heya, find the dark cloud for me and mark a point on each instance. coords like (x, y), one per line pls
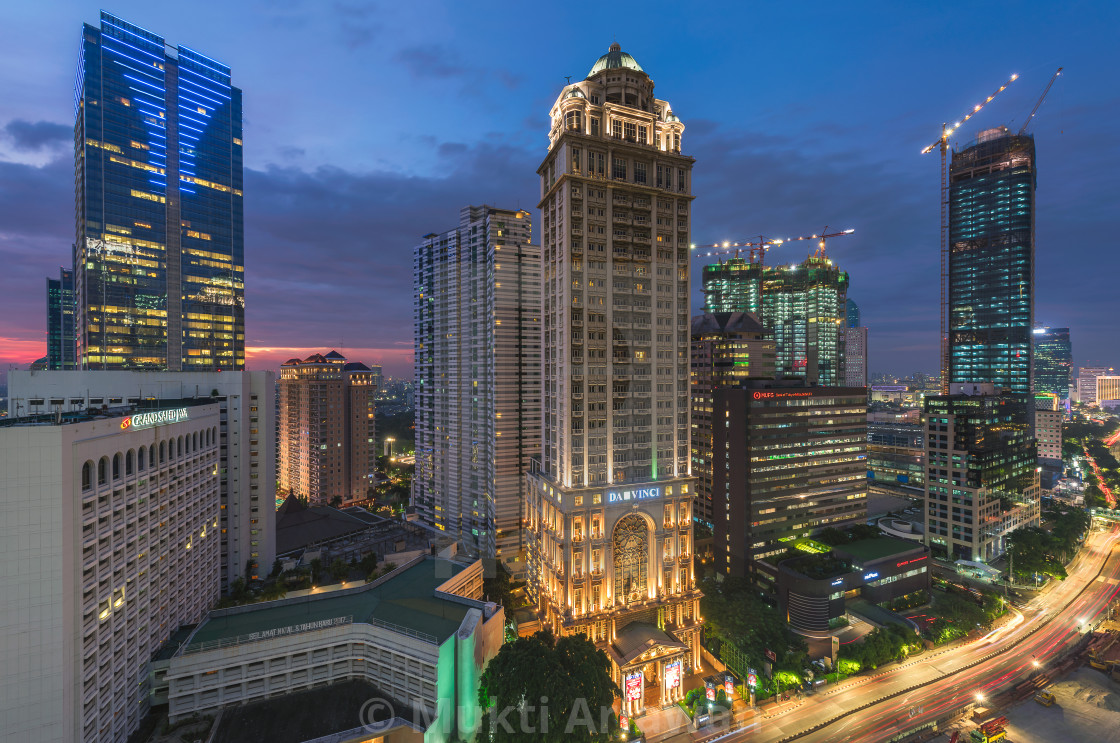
(430, 61)
(33, 136)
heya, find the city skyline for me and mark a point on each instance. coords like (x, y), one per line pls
(836, 160)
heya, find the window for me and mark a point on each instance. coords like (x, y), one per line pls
(87, 475)
(618, 168)
(616, 128)
(576, 159)
(639, 172)
(594, 126)
(643, 137)
(631, 130)
(573, 120)
(680, 180)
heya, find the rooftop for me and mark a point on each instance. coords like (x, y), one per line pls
(63, 418)
(615, 58)
(866, 550)
(407, 599)
(299, 525)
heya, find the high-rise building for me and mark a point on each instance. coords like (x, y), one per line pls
(1087, 382)
(896, 454)
(245, 456)
(982, 478)
(1053, 361)
(477, 313)
(852, 310)
(60, 320)
(110, 524)
(789, 462)
(159, 250)
(611, 499)
(855, 357)
(1108, 388)
(803, 305)
(326, 450)
(991, 261)
(726, 349)
(1048, 417)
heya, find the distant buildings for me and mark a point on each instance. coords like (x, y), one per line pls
(159, 252)
(852, 314)
(1108, 389)
(610, 502)
(803, 306)
(112, 533)
(727, 348)
(1087, 382)
(789, 461)
(60, 321)
(1053, 361)
(245, 455)
(896, 454)
(855, 357)
(982, 481)
(327, 451)
(477, 316)
(1048, 417)
(991, 261)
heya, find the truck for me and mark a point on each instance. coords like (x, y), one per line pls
(990, 731)
(1045, 698)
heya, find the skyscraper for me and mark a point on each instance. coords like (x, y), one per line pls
(1087, 382)
(855, 357)
(60, 320)
(159, 249)
(1053, 361)
(611, 500)
(852, 314)
(803, 305)
(727, 348)
(326, 419)
(991, 260)
(477, 310)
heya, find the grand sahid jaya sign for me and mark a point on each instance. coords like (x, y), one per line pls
(155, 418)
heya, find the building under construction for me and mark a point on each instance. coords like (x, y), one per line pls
(803, 306)
(991, 260)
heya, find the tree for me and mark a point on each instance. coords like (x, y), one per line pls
(336, 501)
(570, 673)
(277, 568)
(316, 571)
(339, 569)
(1032, 549)
(368, 563)
(735, 613)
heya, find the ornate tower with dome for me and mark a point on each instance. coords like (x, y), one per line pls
(609, 504)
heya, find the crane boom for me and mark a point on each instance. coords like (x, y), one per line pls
(1023, 129)
(758, 248)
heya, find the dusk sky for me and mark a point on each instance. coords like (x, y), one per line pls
(368, 125)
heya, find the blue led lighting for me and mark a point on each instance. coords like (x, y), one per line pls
(203, 87)
(209, 103)
(134, 59)
(202, 58)
(122, 42)
(193, 129)
(115, 22)
(130, 77)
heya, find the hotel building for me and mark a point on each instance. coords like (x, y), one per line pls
(611, 500)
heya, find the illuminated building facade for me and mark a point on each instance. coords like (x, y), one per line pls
(159, 249)
(727, 348)
(1048, 416)
(1087, 382)
(327, 429)
(982, 480)
(60, 321)
(852, 316)
(611, 499)
(991, 261)
(896, 455)
(855, 357)
(110, 527)
(804, 307)
(788, 461)
(477, 310)
(1053, 361)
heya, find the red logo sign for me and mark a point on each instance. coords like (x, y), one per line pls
(634, 683)
(126, 423)
(907, 562)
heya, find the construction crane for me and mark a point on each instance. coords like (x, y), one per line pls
(1023, 128)
(758, 248)
(942, 143)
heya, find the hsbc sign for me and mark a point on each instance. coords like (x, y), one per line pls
(157, 418)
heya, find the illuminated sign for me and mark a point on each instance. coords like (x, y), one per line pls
(673, 675)
(774, 395)
(838, 581)
(752, 679)
(617, 496)
(710, 690)
(908, 562)
(869, 576)
(635, 682)
(158, 418)
(729, 686)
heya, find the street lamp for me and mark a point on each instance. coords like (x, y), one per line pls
(979, 697)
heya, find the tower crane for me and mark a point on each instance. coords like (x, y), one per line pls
(942, 143)
(759, 247)
(1023, 129)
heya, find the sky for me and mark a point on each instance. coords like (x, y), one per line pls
(370, 124)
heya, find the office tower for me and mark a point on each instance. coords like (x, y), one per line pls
(982, 481)
(1053, 361)
(896, 454)
(726, 348)
(60, 320)
(246, 454)
(991, 261)
(610, 501)
(852, 314)
(326, 450)
(1048, 417)
(855, 357)
(1108, 390)
(159, 251)
(477, 306)
(790, 461)
(110, 526)
(803, 305)
(1087, 382)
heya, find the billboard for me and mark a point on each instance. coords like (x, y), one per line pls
(673, 675)
(635, 683)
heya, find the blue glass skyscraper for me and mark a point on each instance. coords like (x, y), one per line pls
(991, 261)
(60, 320)
(159, 249)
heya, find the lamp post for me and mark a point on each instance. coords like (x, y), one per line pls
(389, 447)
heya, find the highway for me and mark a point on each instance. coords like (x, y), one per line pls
(950, 679)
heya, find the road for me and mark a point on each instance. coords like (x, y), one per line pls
(950, 679)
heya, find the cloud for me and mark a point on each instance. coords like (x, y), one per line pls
(34, 136)
(430, 61)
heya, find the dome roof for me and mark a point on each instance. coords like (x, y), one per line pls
(614, 59)
(574, 93)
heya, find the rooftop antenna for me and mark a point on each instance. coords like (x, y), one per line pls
(568, 79)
